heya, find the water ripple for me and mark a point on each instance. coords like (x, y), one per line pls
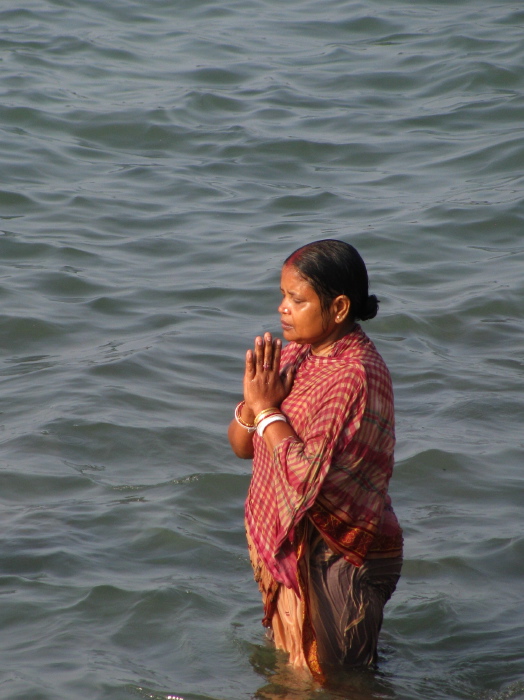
(159, 162)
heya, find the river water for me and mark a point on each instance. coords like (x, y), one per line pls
(158, 161)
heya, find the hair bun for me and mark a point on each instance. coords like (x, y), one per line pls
(370, 308)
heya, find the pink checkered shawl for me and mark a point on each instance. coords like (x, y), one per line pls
(341, 408)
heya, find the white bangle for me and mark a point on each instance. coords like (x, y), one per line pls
(267, 421)
(250, 427)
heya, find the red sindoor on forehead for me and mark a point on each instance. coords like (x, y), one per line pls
(294, 257)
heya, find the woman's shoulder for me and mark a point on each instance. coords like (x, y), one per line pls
(371, 366)
(361, 357)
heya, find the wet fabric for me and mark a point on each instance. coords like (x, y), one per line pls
(337, 469)
(335, 624)
(323, 539)
(346, 606)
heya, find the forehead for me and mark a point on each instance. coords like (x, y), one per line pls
(291, 280)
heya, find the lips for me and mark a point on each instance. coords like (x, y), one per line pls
(285, 326)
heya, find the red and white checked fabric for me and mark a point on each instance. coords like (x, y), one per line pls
(338, 468)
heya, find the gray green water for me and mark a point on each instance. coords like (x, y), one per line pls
(158, 160)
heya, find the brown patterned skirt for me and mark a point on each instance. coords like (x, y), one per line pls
(336, 622)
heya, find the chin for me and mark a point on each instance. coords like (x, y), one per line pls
(292, 338)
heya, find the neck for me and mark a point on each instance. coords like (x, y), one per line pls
(325, 347)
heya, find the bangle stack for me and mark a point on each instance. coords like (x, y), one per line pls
(262, 419)
(266, 417)
(250, 427)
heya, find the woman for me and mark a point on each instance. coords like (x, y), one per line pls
(317, 419)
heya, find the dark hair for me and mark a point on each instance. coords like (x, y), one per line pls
(333, 268)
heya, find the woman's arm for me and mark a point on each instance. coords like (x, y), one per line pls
(240, 439)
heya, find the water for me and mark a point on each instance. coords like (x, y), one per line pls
(159, 160)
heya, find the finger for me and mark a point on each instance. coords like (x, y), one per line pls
(277, 349)
(268, 352)
(259, 353)
(250, 365)
(288, 378)
(285, 370)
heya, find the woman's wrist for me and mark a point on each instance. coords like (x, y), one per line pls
(244, 417)
(262, 406)
(266, 418)
(247, 413)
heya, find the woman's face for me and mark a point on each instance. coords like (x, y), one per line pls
(301, 313)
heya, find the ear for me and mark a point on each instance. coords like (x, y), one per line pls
(340, 308)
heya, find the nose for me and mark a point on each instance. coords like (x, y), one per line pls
(281, 308)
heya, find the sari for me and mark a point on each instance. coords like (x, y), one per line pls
(328, 482)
